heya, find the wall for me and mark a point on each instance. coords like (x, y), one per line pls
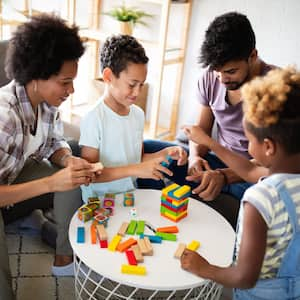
(275, 22)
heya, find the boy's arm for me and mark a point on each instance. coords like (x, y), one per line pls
(148, 169)
(245, 272)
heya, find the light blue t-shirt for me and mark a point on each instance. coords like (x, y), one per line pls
(119, 140)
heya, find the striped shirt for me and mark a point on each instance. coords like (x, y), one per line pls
(17, 118)
(265, 199)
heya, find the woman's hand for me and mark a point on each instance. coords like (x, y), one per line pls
(177, 153)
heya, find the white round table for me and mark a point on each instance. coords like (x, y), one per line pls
(98, 270)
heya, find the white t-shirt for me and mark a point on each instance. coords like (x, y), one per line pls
(119, 140)
(33, 143)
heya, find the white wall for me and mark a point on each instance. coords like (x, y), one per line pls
(277, 27)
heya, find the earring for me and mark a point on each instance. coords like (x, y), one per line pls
(35, 86)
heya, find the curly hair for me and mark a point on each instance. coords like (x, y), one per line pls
(229, 37)
(39, 48)
(120, 50)
(272, 107)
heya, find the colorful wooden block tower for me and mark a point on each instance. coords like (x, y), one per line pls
(174, 202)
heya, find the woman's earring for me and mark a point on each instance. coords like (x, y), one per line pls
(35, 86)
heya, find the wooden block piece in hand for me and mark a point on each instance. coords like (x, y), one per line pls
(193, 245)
(97, 167)
(179, 250)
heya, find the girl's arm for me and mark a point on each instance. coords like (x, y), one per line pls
(245, 272)
(151, 168)
(246, 169)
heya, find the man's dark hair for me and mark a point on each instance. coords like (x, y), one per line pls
(120, 50)
(39, 48)
(229, 37)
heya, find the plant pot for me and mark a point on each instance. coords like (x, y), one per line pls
(126, 28)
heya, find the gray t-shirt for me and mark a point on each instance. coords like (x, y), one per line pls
(211, 92)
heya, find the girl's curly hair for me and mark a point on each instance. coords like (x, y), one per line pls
(272, 107)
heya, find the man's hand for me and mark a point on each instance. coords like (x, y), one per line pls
(197, 165)
(211, 183)
(177, 153)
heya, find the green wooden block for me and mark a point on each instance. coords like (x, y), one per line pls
(140, 227)
(131, 227)
(167, 236)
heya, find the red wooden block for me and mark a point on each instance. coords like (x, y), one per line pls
(103, 244)
(131, 257)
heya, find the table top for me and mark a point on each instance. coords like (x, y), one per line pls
(164, 272)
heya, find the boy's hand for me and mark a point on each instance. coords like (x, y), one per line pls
(152, 169)
(177, 153)
(197, 135)
(193, 262)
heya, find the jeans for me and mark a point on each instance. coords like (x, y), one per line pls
(180, 172)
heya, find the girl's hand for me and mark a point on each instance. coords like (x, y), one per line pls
(193, 262)
(197, 135)
(177, 153)
(197, 165)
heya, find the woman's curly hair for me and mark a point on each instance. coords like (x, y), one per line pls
(120, 50)
(39, 48)
(272, 107)
(229, 37)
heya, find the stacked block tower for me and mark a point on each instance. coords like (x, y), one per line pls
(174, 201)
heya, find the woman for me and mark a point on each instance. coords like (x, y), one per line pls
(42, 60)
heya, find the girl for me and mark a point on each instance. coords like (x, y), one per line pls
(267, 254)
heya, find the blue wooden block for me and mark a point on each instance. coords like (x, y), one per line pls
(80, 235)
(166, 164)
(152, 238)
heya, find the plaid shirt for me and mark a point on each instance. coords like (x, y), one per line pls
(16, 120)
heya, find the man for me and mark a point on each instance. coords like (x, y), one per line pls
(230, 57)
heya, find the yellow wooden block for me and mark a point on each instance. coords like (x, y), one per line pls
(169, 188)
(114, 243)
(131, 269)
(182, 191)
(193, 245)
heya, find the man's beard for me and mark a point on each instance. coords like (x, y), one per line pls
(234, 85)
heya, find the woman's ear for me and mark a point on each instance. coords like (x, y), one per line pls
(107, 75)
(269, 146)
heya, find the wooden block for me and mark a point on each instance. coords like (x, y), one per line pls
(114, 243)
(135, 270)
(167, 236)
(148, 245)
(153, 238)
(101, 232)
(126, 244)
(142, 245)
(169, 188)
(131, 227)
(103, 244)
(179, 250)
(80, 235)
(137, 253)
(193, 245)
(140, 227)
(123, 228)
(130, 257)
(168, 229)
(93, 231)
(182, 192)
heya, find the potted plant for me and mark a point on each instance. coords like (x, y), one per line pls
(128, 17)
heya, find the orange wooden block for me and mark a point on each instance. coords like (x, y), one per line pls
(168, 229)
(93, 234)
(126, 244)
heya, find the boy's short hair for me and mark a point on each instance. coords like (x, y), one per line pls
(120, 50)
(272, 108)
(38, 48)
(229, 37)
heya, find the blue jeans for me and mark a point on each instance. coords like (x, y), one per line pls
(180, 172)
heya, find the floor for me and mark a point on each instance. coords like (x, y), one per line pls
(31, 259)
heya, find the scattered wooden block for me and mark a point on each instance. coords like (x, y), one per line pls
(179, 250)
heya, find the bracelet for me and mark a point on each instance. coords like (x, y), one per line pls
(221, 171)
(63, 158)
